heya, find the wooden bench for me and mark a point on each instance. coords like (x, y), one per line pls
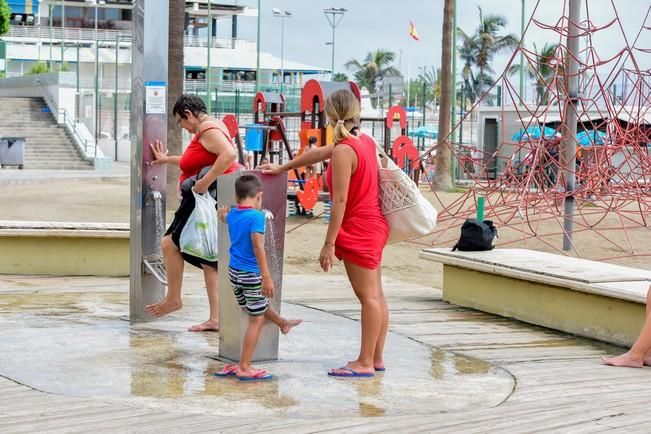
(64, 249)
(587, 298)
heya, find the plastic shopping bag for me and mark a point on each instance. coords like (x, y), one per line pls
(199, 235)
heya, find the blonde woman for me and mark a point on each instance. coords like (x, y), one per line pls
(357, 232)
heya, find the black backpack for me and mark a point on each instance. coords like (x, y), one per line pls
(476, 236)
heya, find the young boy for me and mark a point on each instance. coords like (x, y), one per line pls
(249, 273)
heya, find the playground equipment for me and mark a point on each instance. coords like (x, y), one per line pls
(268, 138)
(558, 188)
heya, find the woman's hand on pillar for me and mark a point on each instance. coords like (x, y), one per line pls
(271, 169)
(159, 151)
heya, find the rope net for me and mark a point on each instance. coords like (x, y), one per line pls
(522, 177)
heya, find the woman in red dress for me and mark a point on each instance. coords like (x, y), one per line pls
(357, 232)
(211, 146)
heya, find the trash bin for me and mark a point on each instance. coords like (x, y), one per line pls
(12, 151)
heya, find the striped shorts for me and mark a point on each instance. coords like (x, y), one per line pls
(247, 287)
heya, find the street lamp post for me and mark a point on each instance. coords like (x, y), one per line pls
(282, 15)
(49, 62)
(334, 16)
(208, 74)
(96, 3)
(63, 32)
(257, 52)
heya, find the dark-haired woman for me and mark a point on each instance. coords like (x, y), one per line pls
(210, 146)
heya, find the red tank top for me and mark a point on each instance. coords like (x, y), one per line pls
(196, 157)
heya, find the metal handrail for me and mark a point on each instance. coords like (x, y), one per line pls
(68, 121)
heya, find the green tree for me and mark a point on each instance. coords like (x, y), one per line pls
(542, 70)
(490, 42)
(477, 50)
(432, 79)
(468, 51)
(375, 66)
(38, 68)
(340, 76)
(5, 17)
(442, 178)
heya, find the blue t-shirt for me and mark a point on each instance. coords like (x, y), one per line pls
(242, 222)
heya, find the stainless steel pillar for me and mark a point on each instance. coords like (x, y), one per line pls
(148, 123)
(232, 321)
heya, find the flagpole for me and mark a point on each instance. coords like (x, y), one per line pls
(408, 70)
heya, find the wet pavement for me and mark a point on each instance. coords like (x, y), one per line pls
(72, 341)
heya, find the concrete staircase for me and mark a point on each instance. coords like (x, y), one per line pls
(48, 144)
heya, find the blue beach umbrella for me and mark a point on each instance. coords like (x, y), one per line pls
(534, 133)
(590, 138)
(425, 131)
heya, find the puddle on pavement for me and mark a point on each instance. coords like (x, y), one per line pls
(74, 343)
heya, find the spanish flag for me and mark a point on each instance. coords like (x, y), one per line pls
(412, 31)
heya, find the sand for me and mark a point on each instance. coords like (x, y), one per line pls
(107, 200)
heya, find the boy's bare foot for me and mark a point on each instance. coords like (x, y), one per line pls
(626, 360)
(164, 307)
(289, 324)
(206, 326)
(253, 374)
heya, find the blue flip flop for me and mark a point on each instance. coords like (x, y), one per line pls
(259, 375)
(349, 373)
(227, 371)
(380, 369)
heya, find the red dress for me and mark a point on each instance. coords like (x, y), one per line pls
(364, 230)
(196, 157)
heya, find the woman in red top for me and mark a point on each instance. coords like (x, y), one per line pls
(211, 146)
(357, 232)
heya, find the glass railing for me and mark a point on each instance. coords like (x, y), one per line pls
(79, 34)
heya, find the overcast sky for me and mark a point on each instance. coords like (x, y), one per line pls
(372, 24)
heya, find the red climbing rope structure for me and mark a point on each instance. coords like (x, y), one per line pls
(522, 180)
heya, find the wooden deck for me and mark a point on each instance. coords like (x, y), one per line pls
(560, 384)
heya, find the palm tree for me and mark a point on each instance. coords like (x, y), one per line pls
(542, 71)
(175, 75)
(340, 76)
(468, 50)
(442, 178)
(376, 65)
(489, 43)
(432, 79)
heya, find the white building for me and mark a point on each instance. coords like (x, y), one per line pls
(63, 34)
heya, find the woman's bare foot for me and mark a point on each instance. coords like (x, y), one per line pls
(289, 324)
(164, 307)
(647, 359)
(353, 366)
(212, 325)
(378, 364)
(626, 360)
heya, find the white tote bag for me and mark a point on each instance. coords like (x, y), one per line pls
(406, 210)
(199, 235)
